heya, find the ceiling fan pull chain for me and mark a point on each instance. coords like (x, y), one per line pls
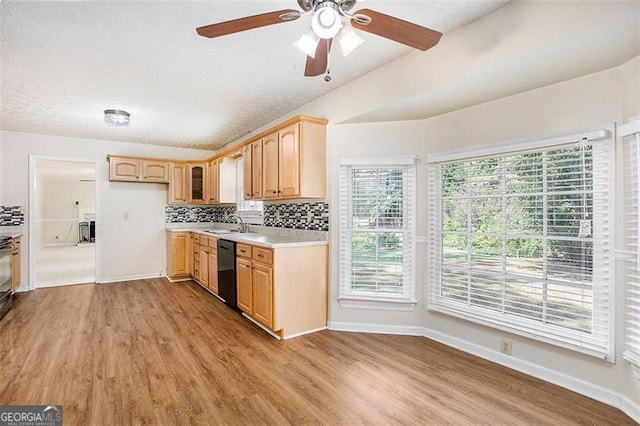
(327, 77)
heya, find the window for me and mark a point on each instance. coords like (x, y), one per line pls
(250, 210)
(631, 151)
(377, 229)
(522, 241)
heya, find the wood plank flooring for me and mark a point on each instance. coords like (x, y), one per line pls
(153, 352)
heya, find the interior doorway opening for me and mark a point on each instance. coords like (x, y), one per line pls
(64, 210)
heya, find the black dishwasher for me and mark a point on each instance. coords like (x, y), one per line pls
(227, 272)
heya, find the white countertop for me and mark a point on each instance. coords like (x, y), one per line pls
(260, 240)
(11, 231)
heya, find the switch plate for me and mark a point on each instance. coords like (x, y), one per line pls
(125, 215)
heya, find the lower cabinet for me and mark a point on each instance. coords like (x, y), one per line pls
(16, 263)
(178, 255)
(284, 289)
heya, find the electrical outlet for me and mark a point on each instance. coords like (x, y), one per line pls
(125, 215)
(309, 216)
(506, 346)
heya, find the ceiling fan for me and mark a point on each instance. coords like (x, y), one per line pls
(330, 19)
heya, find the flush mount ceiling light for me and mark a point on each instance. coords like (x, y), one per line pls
(116, 117)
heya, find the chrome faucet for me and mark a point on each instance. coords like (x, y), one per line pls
(243, 226)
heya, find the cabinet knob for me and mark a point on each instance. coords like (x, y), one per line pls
(279, 192)
(273, 192)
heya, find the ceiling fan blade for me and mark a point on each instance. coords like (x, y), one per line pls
(396, 29)
(318, 65)
(248, 23)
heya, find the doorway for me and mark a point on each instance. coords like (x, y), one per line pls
(63, 224)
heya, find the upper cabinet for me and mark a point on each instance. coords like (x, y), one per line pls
(177, 192)
(286, 162)
(196, 183)
(293, 162)
(131, 169)
(213, 182)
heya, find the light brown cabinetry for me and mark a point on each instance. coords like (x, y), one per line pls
(177, 191)
(213, 182)
(178, 255)
(213, 265)
(284, 289)
(196, 183)
(131, 169)
(244, 285)
(255, 283)
(293, 162)
(16, 263)
(253, 181)
(247, 172)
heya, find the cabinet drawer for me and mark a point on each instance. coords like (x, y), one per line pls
(263, 255)
(243, 250)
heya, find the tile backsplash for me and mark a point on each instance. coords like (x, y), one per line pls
(306, 215)
(11, 216)
(194, 214)
(312, 215)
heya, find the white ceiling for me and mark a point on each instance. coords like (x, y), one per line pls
(63, 63)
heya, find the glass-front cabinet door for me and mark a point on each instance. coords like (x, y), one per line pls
(196, 183)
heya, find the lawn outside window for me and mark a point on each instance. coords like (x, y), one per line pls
(520, 239)
(377, 232)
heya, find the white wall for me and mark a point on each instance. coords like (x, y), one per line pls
(127, 249)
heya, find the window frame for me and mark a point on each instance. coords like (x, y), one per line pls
(630, 136)
(604, 346)
(371, 300)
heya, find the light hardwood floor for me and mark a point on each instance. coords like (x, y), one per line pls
(152, 352)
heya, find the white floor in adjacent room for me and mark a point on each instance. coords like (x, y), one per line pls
(65, 265)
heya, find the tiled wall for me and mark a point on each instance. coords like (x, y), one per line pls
(286, 215)
(194, 214)
(11, 216)
(312, 216)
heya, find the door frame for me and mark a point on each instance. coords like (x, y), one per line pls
(33, 159)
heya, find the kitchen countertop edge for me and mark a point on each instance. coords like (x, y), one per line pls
(268, 241)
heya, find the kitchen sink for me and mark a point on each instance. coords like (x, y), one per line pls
(226, 231)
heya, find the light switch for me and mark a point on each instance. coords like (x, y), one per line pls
(125, 215)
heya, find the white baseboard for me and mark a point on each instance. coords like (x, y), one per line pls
(609, 397)
(128, 278)
(376, 328)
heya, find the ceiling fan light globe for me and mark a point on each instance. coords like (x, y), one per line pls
(308, 43)
(326, 23)
(348, 40)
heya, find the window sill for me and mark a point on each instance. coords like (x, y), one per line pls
(376, 303)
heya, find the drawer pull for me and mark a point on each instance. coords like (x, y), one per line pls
(261, 256)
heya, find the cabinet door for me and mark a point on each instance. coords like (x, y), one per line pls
(124, 169)
(155, 171)
(289, 162)
(177, 191)
(244, 286)
(204, 265)
(196, 260)
(180, 254)
(195, 183)
(16, 264)
(247, 172)
(257, 170)
(213, 179)
(263, 294)
(213, 270)
(270, 166)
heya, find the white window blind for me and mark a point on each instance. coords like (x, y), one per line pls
(522, 241)
(377, 228)
(631, 152)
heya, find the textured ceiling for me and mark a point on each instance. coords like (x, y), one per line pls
(63, 63)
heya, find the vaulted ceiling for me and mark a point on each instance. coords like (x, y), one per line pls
(63, 63)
